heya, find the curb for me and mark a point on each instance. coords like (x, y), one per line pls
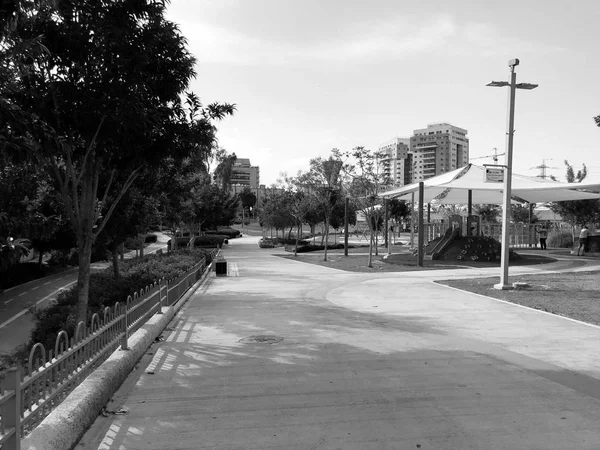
(64, 426)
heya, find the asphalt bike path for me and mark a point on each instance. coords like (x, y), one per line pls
(16, 323)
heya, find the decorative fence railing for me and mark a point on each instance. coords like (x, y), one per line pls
(521, 235)
(27, 395)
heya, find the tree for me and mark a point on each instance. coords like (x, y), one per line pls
(247, 199)
(276, 211)
(577, 212)
(11, 251)
(520, 213)
(597, 120)
(224, 168)
(366, 182)
(398, 210)
(323, 181)
(488, 213)
(102, 98)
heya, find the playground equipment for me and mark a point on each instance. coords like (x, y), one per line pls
(472, 247)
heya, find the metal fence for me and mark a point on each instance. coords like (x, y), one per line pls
(521, 235)
(27, 395)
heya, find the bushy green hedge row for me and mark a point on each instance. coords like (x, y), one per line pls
(560, 239)
(70, 257)
(105, 291)
(231, 233)
(216, 240)
(313, 248)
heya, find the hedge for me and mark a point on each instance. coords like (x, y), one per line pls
(312, 248)
(105, 291)
(214, 241)
(560, 239)
(226, 231)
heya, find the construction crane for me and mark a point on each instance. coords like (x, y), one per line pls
(494, 156)
(542, 167)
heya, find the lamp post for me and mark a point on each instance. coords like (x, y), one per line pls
(506, 207)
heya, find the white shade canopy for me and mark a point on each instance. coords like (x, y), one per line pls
(453, 187)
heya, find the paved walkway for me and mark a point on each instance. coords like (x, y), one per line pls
(367, 361)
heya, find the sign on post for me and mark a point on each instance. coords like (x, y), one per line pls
(494, 175)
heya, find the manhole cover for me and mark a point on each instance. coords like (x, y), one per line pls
(262, 339)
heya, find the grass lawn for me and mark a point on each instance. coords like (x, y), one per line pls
(574, 295)
(401, 261)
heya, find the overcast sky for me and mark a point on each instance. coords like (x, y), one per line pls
(310, 75)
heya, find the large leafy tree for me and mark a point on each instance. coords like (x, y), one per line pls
(99, 100)
(577, 212)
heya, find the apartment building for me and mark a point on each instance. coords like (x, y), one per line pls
(439, 148)
(397, 161)
(245, 174)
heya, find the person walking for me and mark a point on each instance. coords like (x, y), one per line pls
(583, 238)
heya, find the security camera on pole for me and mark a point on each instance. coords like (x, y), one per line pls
(506, 207)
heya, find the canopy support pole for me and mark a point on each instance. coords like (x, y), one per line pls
(470, 203)
(412, 221)
(421, 226)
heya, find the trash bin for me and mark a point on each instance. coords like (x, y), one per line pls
(221, 267)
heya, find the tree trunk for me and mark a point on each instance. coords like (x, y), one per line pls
(122, 251)
(297, 239)
(370, 261)
(326, 236)
(141, 241)
(41, 256)
(115, 261)
(83, 277)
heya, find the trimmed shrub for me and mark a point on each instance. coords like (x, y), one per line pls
(105, 291)
(560, 239)
(229, 232)
(313, 248)
(132, 244)
(212, 241)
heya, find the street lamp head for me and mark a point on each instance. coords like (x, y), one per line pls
(513, 62)
(498, 83)
(528, 86)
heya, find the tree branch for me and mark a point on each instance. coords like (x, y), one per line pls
(90, 147)
(70, 173)
(122, 191)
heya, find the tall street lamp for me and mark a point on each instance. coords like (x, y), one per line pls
(506, 207)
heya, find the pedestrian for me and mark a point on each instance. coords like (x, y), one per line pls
(583, 238)
(543, 236)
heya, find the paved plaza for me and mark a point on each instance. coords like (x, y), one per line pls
(286, 355)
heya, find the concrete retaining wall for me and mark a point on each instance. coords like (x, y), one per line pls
(63, 427)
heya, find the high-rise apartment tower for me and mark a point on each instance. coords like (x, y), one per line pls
(437, 149)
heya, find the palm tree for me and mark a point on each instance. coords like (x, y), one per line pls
(11, 251)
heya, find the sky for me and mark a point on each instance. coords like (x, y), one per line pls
(311, 75)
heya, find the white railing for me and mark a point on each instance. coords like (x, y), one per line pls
(27, 395)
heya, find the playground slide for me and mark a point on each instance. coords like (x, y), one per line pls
(441, 245)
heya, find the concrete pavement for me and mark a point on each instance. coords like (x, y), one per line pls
(367, 361)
